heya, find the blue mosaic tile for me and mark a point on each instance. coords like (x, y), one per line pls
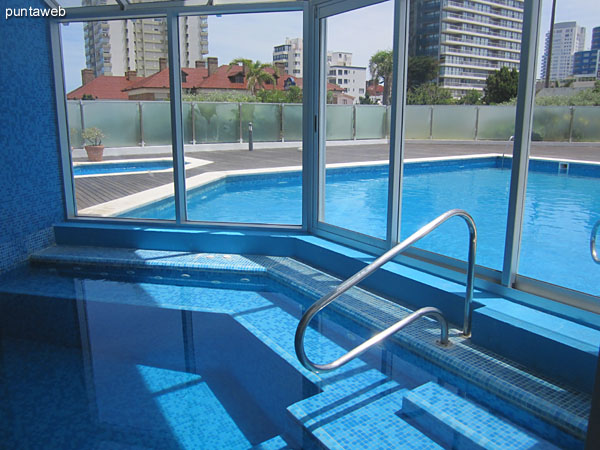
(30, 181)
(454, 418)
(509, 382)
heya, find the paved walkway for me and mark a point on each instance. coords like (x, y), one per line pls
(91, 191)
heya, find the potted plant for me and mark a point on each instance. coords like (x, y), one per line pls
(93, 136)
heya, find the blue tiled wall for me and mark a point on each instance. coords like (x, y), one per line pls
(31, 197)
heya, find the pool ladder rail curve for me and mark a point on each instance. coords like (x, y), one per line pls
(593, 248)
(368, 270)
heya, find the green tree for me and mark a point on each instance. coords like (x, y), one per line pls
(429, 94)
(366, 100)
(256, 73)
(381, 66)
(472, 97)
(501, 86)
(421, 69)
(292, 95)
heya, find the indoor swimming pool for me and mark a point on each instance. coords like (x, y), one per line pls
(556, 230)
(153, 349)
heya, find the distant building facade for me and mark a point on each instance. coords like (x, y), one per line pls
(568, 38)
(116, 46)
(469, 38)
(291, 54)
(340, 71)
(587, 63)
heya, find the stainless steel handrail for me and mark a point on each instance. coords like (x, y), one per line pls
(593, 242)
(368, 270)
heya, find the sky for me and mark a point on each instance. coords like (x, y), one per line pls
(362, 32)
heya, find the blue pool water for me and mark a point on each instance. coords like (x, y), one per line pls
(114, 361)
(560, 210)
(121, 167)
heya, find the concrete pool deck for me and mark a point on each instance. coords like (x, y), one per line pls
(96, 190)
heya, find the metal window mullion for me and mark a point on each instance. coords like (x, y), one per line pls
(176, 118)
(523, 127)
(321, 125)
(309, 135)
(398, 110)
(62, 120)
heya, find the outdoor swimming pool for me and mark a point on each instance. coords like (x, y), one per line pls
(177, 358)
(127, 166)
(556, 230)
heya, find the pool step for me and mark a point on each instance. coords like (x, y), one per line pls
(361, 418)
(457, 423)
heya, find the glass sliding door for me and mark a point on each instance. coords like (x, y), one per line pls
(356, 86)
(118, 117)
(242, 117)
(458, 152)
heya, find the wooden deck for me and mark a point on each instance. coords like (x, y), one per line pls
(92, 191)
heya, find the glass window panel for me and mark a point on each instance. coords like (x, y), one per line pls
(230, 178)
(120, 120)
(106, 82)
(461, 158)
(156, 121)
(496, 122)
(454, 122)
(354, 195)
(265, 119)
(371, 122)
(585, 124)
(551, 123)
(562, 201)
(339, 122)
(418, 122)
(216, 122)
(292, 122)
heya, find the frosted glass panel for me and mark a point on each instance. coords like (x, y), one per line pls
(454, 122)
(266, 121)
(586, 124)
(339, 122)
(188, 135)
(156, 118)
(417, 124)
(551, 123)
(216, 122)
(292, 122)
(370, 122)
(496, 122)
(74, 121)
(119, 121)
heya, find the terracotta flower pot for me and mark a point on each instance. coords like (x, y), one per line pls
(94, 152)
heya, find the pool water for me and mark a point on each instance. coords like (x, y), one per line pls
(111, 360)
(559, 210)
(121, 167)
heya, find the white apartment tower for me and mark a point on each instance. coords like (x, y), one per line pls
(567, 39)
(291, 55)
(116, 46)
(340, 71)
(469, 38)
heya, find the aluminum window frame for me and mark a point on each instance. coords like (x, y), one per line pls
(506, 282)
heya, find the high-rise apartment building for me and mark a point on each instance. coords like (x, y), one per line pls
(290, 54)
(116, 46)
(587, 63)
(340, 71)
(568, 38)
(469, 38)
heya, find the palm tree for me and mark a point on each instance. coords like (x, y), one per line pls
(381, 65)
(256, 73)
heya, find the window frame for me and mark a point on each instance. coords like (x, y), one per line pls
(505, 282)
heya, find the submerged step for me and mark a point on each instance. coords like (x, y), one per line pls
(458, 423)
(360, 418)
